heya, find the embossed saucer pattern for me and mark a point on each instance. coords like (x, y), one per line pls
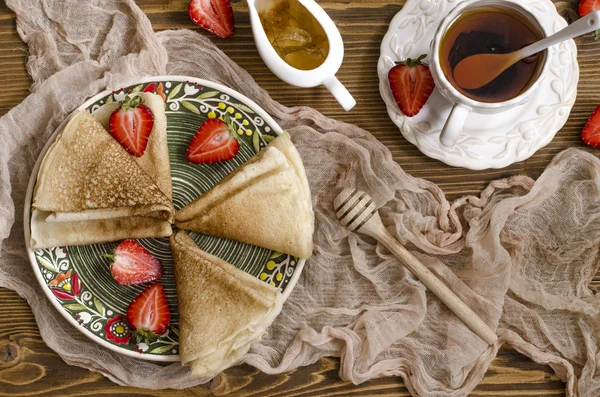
(487, 141)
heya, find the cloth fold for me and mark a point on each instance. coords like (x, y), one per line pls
(521, 254)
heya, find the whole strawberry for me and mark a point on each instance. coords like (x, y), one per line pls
(215, 141)
(133, 264)
(148, 314)
(131, 125)
(411, 84)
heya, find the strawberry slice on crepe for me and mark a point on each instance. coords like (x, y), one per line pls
(128, 122)
(90, 190)
(131, 125)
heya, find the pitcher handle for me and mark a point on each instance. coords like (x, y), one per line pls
(340, 93)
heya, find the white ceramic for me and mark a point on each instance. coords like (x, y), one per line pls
(463, 105)
(324, 74)
(487, 140)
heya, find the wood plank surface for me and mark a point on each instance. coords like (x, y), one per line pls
(29, 367)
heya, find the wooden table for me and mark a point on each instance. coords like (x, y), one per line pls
(39, 371)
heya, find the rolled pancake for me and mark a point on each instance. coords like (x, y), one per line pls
(52, 234)
(222, 309)
(265, 202)
(155, 160)
(88, 186)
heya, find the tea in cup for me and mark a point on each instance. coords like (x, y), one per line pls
(486, 26)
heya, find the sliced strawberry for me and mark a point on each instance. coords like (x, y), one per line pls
(214, 142)
(587, 6)
(591, 130)
(148, 314)
(412, 84)
(133, 264)
(216, 16)
(150, 87)
(131, 125)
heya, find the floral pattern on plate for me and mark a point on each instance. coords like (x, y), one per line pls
(78, 279)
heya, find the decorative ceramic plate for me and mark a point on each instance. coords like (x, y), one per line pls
(487, 141)
(77, 280)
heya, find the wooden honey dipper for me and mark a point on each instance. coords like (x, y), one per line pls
(357, 212)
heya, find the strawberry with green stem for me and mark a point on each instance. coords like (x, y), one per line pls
(133, 264)
(411, 84)
(215, 141)
(148, 314)
(131, 124)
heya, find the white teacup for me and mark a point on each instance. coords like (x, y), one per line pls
(463, 105)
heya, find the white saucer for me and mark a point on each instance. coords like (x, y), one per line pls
(487, 141)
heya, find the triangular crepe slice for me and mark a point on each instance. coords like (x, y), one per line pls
(269, 161)
(222, 309)
(284, 143)
(155, 160)
(88, 190)
(264, 202)
(286, 146)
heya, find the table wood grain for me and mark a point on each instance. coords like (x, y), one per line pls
(29, 367)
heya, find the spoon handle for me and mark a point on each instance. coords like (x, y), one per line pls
(439, 289)
(584, 25)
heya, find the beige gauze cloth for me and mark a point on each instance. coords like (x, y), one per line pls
(521, 255)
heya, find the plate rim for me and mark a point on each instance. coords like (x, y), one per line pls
(33, 179)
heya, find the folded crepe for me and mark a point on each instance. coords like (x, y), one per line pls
(155, 160)
(90, 190)
(222, 309)
(265, 202)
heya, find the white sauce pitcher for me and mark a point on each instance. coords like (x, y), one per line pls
(323, 74)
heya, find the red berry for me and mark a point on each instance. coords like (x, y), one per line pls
(133, 264)
(216, 16)
(150, 87)
(214, 142)
(148, 314)
(591, 130)
(411, 84)
(131, 125)
(587, 6)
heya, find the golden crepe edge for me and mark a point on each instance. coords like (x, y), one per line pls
(85, 221)
(287, 227)
(222, 309)
(155, 160)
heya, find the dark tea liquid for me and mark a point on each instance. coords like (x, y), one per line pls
(492, 29)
